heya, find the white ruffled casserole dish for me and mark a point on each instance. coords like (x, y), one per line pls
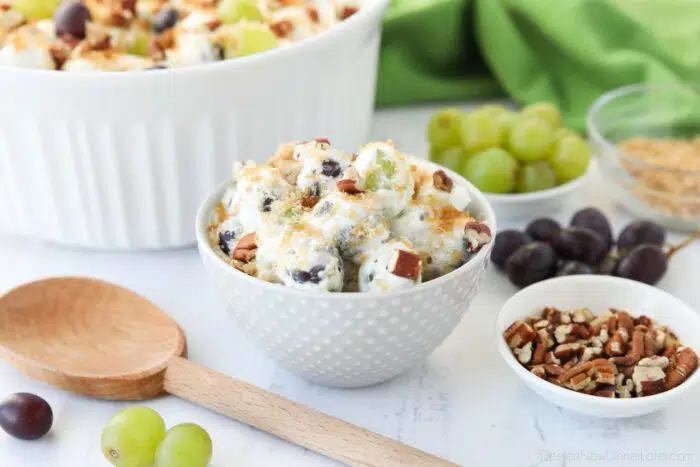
(121, 161)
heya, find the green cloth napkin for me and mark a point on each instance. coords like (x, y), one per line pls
(565, 51)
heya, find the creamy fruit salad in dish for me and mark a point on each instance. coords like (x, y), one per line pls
(128, 35)
(315, 217)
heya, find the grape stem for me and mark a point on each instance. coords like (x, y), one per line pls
(676, 248)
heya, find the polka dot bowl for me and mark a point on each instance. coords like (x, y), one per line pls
(345, 339)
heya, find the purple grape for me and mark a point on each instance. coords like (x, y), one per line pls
(543, 229)
(571, 268)
(505, 243)
(643, 263)
(641, 232)
(25, 416)
(593, 219)
(580, 244)
(531, 263)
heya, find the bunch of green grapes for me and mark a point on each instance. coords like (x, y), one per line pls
(502, 151)
(136, 437)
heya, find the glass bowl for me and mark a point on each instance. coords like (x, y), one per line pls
(647, 141)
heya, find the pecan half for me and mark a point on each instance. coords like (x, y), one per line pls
(246, 248)
(686, 363)
(442, 181)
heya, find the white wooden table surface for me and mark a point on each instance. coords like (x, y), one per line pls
(463, 403)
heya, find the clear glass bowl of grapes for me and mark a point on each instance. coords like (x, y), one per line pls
(647, 141)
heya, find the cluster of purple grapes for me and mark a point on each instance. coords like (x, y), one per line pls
(546, 249)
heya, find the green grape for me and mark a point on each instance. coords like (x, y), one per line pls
(35, 10)
(492, 170)
(185, 445)
(372, 181)
(493, 110)
(505, 121)
(570, 158)
(537, 176)
(452, 158)
(140, 44)
(131, 438)
(251, 38)
(443, 129)
(387, 166)
(479, 131)
(562, 132)
(232, 11)
(544, 110)
(530, 139)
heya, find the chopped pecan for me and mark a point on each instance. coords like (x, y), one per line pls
(617, 344)
(652, 387)
(553, 370)
(648, 378)
(524, 353)
(605, 391)
(544, 343)
(552, 315)
(518, 334)
(643, 320)
(577, 382)
(635, 352)
(568, 351)
(589, 353)
(582, 316)
(549, 357)
(282, 28)
(649, 343)
(670, 352)
(348, 186)
(686, 363)
(406, 264)
(476, 235)
(624, 320)
(538, 371)
(312, 11)
(246, 248)
(561, 333)
(442, 181)
(347, 11)
(309, 201)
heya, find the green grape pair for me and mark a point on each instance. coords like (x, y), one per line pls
(136, 437)
(501, 151)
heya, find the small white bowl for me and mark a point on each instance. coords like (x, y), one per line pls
(599, 293)
(545, 203)
(345, 339)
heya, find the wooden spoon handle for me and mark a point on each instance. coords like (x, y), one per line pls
(288, 420)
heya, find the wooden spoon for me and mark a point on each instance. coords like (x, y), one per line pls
(100, 340)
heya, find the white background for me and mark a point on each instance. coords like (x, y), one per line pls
(463, 403)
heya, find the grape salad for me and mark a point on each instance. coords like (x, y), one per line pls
(316, 218)
(131, 35)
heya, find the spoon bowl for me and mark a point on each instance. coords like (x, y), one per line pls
(104, 341)
(89, 337)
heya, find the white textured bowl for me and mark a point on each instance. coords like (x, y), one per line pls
(345, 339)
(599, 293)
(122, 160)
(545, 203)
